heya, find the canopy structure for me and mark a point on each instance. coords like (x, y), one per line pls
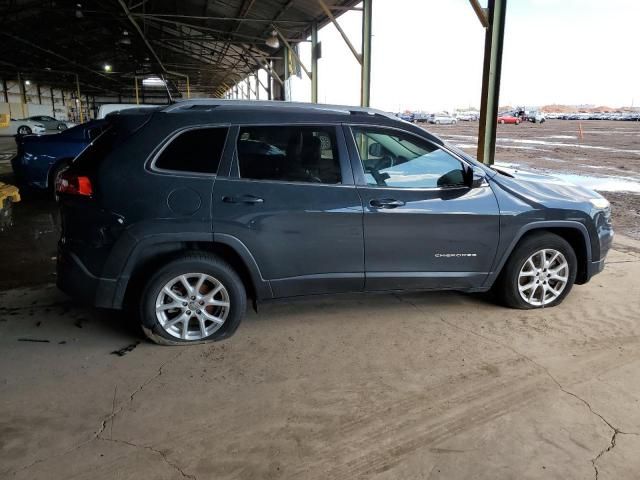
(201, 45)
(164, 49)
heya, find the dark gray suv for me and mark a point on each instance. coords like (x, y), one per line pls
(185, 212)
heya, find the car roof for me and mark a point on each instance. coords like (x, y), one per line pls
(263, 112)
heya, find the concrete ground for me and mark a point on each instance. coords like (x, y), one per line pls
(411, 386)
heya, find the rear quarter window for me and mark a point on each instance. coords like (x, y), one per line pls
(197, 151)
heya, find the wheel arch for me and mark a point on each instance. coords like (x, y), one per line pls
(149, 256)
(574, 233)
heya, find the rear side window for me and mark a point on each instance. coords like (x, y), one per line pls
(289, 153)
(197, 151)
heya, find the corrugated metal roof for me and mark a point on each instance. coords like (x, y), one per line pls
(213, 41)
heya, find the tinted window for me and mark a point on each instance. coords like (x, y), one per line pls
(194, 151)
(395, 159)
(293, 153)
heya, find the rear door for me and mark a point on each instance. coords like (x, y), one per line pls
(423, 226)
(291, 200)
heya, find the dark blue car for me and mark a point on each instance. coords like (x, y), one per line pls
(41, 157)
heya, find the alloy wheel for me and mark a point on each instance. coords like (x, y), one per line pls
(543, 277)
(192, 306)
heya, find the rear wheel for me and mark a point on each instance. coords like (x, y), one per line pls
(502, 122)
(539, 273)
(194, 299)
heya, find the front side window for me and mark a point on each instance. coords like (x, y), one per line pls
(197, 151)
(394, 159)
(289, 153)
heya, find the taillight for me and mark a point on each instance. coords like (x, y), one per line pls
(74, 184)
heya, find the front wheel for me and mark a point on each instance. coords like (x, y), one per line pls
(62, 126)
(193, 299)
(24, 130)
(539, 273)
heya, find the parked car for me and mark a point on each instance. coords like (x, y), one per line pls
(536, 116)
(186, 212)
(406, 116)
(506, 118)
(22, 127)
(467, 116)
(443, 118)
(422, 116)
(40, 158)
(51, 123)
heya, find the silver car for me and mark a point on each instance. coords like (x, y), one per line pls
(443, 118)
(51, 123)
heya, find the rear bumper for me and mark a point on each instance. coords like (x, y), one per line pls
(75, 280)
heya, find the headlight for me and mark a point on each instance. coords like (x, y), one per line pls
(600, 203)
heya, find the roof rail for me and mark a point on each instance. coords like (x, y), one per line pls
(218, 102)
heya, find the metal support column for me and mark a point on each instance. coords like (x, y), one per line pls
(494, 40)
(5, 91)
(39, 94)
(248, 82)
(365, 79)
(135, 83)
(53, 102)
(23, 95)
(79, 98)
(314, 62)
(269, 82)
(285, 77)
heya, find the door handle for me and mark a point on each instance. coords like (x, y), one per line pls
(386, 203)
(248, 199)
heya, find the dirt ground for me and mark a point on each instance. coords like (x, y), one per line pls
(413, 386)
(608, 155)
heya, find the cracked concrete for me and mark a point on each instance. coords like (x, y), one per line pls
(425, 385)
(616, 431)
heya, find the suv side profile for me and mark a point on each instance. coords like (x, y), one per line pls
(187, 211)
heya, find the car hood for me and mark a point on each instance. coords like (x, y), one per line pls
(540, 188)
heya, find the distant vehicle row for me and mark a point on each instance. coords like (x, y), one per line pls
(35, 124)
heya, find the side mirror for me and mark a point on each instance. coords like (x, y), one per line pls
(375, 150)
(474, 177)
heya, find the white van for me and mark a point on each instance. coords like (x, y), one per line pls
(108, 108)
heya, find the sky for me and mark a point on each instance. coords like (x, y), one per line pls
(427, 55)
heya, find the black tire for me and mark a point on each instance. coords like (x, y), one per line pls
(506, 287)
(24, 130)
(193, 263)
(62, 126)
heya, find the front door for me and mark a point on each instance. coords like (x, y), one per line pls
(423, 226)
(290, 199)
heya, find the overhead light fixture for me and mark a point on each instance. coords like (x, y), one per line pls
(153, 82)
(79, 13)
(107, 68)
(272, 41)
(27, 82)
(125, 40)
